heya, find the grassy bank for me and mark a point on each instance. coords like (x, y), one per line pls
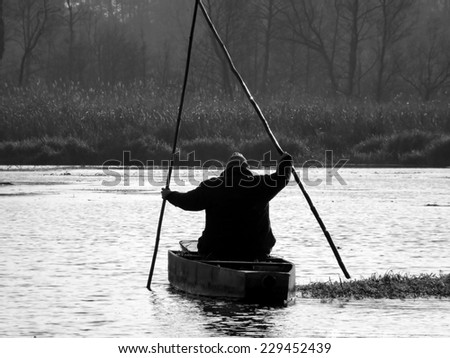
(69, 125)
(385, 286)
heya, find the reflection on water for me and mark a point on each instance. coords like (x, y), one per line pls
(228, 318)
(76, 254)
(234, 319)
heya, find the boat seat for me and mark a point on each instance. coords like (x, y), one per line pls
(189, 246)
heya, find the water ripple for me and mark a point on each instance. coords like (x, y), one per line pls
(75, 257)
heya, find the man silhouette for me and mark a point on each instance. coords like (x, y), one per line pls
(237, 209)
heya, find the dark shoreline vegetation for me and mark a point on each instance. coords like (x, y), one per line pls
(390, 285)
(67, 125)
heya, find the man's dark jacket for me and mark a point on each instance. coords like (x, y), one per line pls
(237, 210)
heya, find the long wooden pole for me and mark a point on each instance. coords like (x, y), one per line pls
(174, 147)
(272, 137)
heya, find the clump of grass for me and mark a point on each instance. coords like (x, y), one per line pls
(59, 151)
(407, 147)
(408, 141)
(438, 151)
(392, 286)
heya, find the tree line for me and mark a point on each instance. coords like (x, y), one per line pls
(377, 49)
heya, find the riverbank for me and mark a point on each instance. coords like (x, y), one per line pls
(419, 149)
(73, 126)
(392, 286)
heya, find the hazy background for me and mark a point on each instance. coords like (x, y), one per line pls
(367, 79)
(377, 48)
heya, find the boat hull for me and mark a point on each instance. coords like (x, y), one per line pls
(271, 281)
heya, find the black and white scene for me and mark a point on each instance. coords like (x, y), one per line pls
(264, 169)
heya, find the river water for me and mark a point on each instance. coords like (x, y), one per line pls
(76, 246)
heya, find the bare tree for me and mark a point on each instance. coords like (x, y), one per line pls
(139, 16)
(349, 47)
(224, 16)
(315, 26)
(267, 14)
(430, 70)
(393, 25)
(32, 17)
(353, 9)
(75, 12)
(355, 17)
(142, 15)
(2, 31)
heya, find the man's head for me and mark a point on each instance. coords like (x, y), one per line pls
(237, 160)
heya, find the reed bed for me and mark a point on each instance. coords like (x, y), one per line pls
(38, 122)
(390, 285)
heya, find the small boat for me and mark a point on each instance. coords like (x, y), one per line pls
(268, 281)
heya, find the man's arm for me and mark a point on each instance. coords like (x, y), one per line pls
(275, 182)
(284, 168)
(194, 200)
(280, 178)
